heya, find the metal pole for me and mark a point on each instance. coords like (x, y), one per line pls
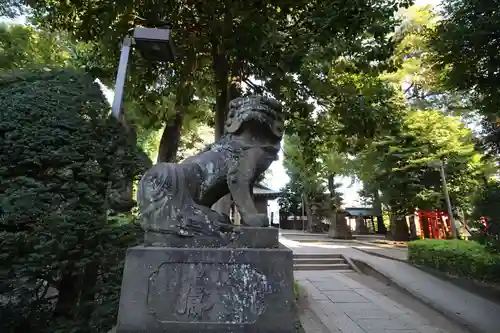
(302, 217)
(120, 77)
(279, 223)
(448, 202)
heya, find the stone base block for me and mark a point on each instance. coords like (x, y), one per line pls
(241, 237)
(204, 290)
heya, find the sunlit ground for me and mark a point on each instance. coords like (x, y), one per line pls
(290, 243)
(326, 245)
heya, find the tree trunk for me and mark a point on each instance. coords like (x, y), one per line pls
(332, 230)
(68, 294)
(170, 139)
(226, 90)
(122, 191)
(308, 213)
(381, 228)
(171, 136)
(88, 291)
(399, 227)
(377, 207)
(220, 66)
(331, 185)
(224, 204)
(338, 225)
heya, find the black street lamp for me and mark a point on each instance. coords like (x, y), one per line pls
(153, 44)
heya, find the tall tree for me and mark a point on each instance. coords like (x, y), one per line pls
(418, 76)
(237, 40)
(23, 47)
(466, 43)
(399, 165)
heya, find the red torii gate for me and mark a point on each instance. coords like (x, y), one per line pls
(436, 222)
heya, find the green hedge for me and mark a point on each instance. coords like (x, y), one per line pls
(467, 259)
(62, 159)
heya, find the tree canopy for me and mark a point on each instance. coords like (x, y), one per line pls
(465, 44)
(400, 163)
(410, 116)
(24, 47)
(288, 46)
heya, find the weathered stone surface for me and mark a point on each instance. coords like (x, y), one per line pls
(240, 237)
(177, 198)
(195, 290)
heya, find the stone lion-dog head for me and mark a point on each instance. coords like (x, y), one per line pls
(258, 116)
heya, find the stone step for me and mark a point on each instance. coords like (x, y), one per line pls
(321, 267)
(318, 260)
(317, 256)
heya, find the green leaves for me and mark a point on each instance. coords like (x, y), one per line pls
(466, 43)
(399, 163)
(466, 259)
(24, 47)
(58, 156)
(486, 205)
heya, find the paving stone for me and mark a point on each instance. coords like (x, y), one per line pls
(344, 324)
(335, 321)
(383, 302)
(369, 313)
(320, 276)
(321, 309)
(312, 324)
(312, 292)
(298, 275)
(346, 306)
(374, 324)
(328, 286)
(430, 329)
(339, 296)
(348, 282)
(306, 283)
(415, 320)
(477, 312)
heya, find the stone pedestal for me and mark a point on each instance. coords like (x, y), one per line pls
(207, 290)
(339, 228)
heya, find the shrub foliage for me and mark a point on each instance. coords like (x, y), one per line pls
(62, 253)
(467, 259)
(486, 205)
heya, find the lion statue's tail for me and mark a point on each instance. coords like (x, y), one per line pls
(162, 191)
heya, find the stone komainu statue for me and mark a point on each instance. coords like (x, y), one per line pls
(176, 198)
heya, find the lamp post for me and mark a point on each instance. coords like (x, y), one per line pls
(303, 208)
(154, 44)
(314, 208)
(440, 165)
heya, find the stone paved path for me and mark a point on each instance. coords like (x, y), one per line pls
(345, 306)
(466, 308)
(396, 253)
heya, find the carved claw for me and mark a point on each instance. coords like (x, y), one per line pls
(256, 220)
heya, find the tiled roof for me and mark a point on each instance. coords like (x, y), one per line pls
(359, 211)
(260, 189)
